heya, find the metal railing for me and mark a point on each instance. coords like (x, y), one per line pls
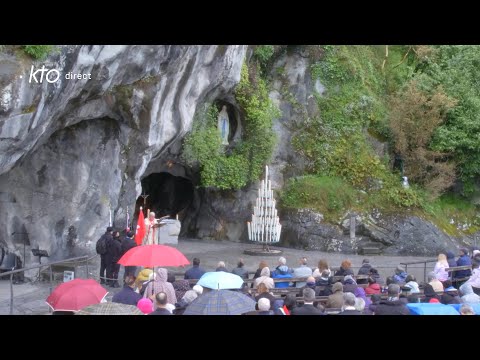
(424, 262)
(76, 260)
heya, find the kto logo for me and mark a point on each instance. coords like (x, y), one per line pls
(51, 75)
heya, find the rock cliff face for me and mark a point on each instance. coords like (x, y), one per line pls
(71, 149)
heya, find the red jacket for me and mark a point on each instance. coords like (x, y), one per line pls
(373, 289)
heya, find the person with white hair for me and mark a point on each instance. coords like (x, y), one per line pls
(264, 307)
(152, 229)
(282, 267)
(221, 267)
(349, 308)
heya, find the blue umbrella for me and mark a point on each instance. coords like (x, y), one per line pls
(431, 309)
(220, 280)
(221, 302)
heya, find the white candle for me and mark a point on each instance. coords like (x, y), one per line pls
(249, 231)
(266, 172)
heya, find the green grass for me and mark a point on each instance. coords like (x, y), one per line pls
(327, 195)
(333, 197)
(453, 207)
(38, 52)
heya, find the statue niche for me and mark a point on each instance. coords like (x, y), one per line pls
(224, 125)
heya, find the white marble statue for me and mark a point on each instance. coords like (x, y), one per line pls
(405, 182)
(223, 125)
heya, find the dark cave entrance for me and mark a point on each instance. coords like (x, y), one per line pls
(167, 195)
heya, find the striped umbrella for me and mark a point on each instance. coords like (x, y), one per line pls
(221, 302)
(110, 308)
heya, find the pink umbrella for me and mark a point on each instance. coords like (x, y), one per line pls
(76, 294)
(153, 255)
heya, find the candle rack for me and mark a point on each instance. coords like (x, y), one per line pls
(265, 227)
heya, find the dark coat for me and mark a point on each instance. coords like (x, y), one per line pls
(116, 250)
(306, 310)
(365, 269)
(126, 296)
(195, 272)
(268, 296)
(462, 261)
(240, 271)
(451, 259)
(387, 307)
(450, 298)
(127, 244)
(159, 311)
(344, 272)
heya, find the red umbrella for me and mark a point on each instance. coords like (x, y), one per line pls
(153, 255)
(76, 294)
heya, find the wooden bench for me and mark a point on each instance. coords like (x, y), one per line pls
(452, 271)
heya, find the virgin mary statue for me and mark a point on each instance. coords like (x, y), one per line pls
(223, 125)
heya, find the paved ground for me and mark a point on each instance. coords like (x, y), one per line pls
(30, 298)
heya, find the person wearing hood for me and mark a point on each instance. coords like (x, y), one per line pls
(412, 284)
(430, 294)
(463, 260)
(360, 293)
(264, 278)
(469, 297)
(282, 272)
(160, 284)
(451, 259)
(474, 280)
(282, 263)
(364, 270)
(336, 299)
(400, 275)
(450, 295)
(187, 299)
(393, 305)
(476, 256)
(349, 284)
(302, 271)
(373, 287)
